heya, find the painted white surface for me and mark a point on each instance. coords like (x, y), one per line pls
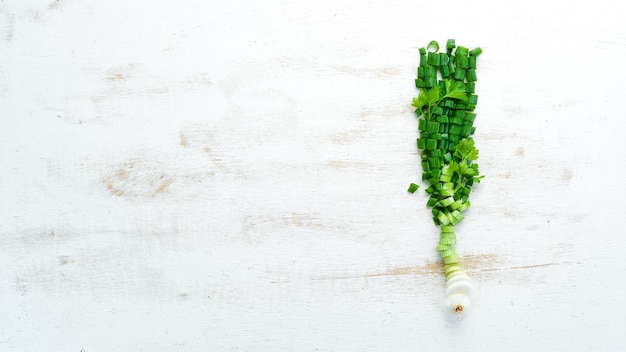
(231, 176)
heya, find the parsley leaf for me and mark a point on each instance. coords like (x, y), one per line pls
(427, 97)
(455, 89)
(466, 149)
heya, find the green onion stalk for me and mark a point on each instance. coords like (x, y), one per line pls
(445, 110)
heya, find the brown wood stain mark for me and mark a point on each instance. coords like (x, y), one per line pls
(510, 214)
(256, 226)
(514, 110)
(137, 180)
(477, 261)
(295, 219)
(163, 186)
(426, 269)
(520, 151)
(303, 220)
(116, 77)
(122, 72)
(383, 72)
(122, 174)
(196, 137)
(530, 266)
(54, 5)
(566, 176)
(346, 137)
(9, 27)
(183, 141)
(114, 191)
(354, 134)
(119, 178)
(344, 164)
(470, 263)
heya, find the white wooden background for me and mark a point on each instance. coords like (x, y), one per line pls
(231, 176)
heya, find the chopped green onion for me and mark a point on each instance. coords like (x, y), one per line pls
(446, 251)
(432, 126)
(430, 82)
(447, 229)
(462, 61)
(442, 120)
(433, 59)
(451, 259)
(464, 206)
(446, 192)
(472, 61)
(471, 75)
(459, 74)
(446, 201)
(450, 65)
(413, 187)
(446, 241)
(461, 51)
(422, 60)
(443, 59)
(433, 46)
(445, 71)
(443, 219)
(476, 51)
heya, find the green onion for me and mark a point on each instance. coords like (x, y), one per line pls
(476, 51)
(461, 51)
(472, 61)
(462, 61)
(422, 60)
(450, 44)
(433, 59)
(447, 97)
(443, 59)
(471, 75)
(459, 74)
(433, 46)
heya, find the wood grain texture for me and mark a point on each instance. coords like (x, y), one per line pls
(231, 176)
